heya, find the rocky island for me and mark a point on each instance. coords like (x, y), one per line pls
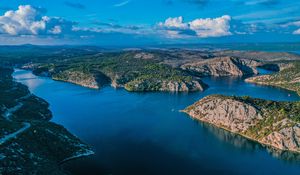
(275, 124)
(29, 142)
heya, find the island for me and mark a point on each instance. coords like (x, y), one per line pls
(275, 124)
(29, 142)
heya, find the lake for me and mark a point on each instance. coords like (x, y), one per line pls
(144, 133)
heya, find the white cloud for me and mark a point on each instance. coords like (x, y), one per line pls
(262, 2)
(296, 32)
(294, 25)
(201, 27)
(56, 30)
(176, 22)
(211, 27)
(28, 20)
(132, 30)
(122, 4)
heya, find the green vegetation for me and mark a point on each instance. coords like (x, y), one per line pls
(288, 78)
(31, 111)
(273, 112)
(124, 69)
(29, 143)
(271, 123)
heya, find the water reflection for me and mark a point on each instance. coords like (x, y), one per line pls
(247, 144)
(287, 156)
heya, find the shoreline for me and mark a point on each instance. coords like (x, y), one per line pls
(263, 121)
(36, 133)
(249, 80)
(240, 134)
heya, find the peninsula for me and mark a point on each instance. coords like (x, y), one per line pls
(276, 124)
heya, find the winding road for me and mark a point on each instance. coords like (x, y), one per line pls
(7, 115)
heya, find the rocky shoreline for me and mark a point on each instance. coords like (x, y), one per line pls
(144, 71)
(287, 78)
(275, 124)
(177, 81)
(79, 78)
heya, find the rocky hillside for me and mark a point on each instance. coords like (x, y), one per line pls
(165, 85)
(93, 80)
(77, 77)
(131, 70)
(172, 70)
(288, 78)
(29, 142)
(222, 66)
(275, 124)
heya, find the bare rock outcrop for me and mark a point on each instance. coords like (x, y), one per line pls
(286, 139)
(165, 85)
(222, 66)
(266, 122)
(225, 112)
(79, 78)
(174, 86)
(144, 55)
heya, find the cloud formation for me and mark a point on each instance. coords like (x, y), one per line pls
(262, 2)
(296, 32)
(122, 3)
(28, 20)
(30, 23)
(294, 25)
(174, 23)
(201, 27)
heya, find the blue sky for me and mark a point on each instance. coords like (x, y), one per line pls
(140, 22)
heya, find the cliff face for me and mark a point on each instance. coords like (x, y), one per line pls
(133, 71)
(229, 113)
(85, 78)
(171, 85)
(77, 77)
(222, 66)
(270, 123)
(195, 85)
(29, 142)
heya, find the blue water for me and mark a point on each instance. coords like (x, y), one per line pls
(144, 133)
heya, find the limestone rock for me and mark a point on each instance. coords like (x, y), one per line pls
(222, 66)
(255, 119)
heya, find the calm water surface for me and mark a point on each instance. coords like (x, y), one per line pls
(144, 133)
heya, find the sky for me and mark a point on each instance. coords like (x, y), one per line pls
(140, 22)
